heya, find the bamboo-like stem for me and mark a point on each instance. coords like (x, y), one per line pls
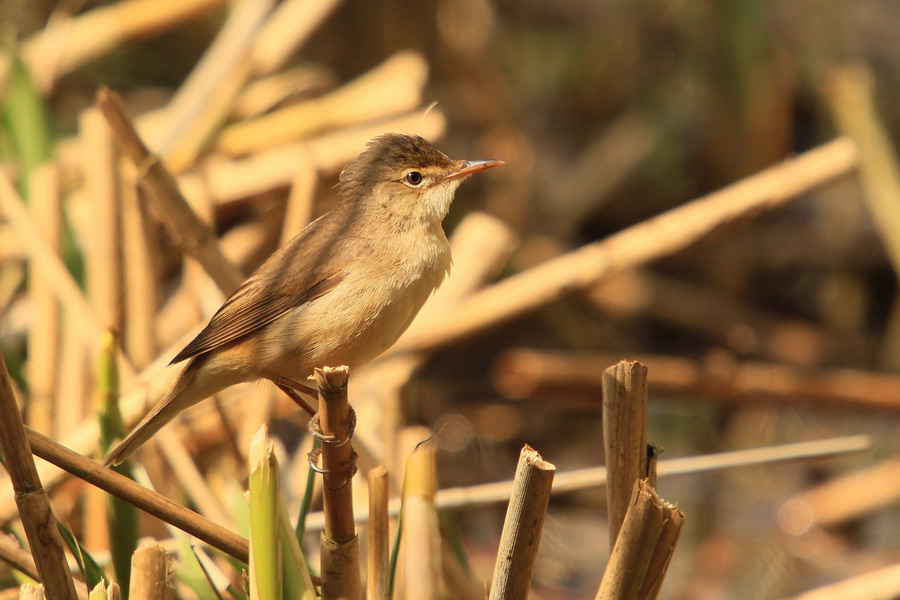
(150, 573)
(522, 528)
(624, 437)
(593, 477)
(421, 544)
(43, 335)
(147, 500)
(661, 236)
(643, 549)
(34, 505)
(188, 231)
(377, 584)
(522, 373)
(340, 544)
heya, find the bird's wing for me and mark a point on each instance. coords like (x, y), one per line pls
(289, 279)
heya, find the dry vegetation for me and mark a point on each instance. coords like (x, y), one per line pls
(710, 189)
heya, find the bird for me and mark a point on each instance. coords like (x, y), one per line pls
(341, 292)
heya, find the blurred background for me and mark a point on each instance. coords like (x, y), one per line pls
(607, 113)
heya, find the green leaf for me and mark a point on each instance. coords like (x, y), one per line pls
(89, 568)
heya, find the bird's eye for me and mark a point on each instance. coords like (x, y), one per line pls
(413, 178)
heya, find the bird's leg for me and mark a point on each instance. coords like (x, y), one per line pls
(293, 389)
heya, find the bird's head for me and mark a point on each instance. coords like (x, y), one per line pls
(407, 177)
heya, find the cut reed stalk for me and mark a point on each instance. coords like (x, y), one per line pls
(522, 528)
(625, 424)
(643, 549)
(421, 544)
(378, 547)
(340, 544)
(150, 573)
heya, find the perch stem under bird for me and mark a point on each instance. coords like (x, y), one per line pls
(339, 293)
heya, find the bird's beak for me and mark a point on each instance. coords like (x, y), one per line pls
(472, 166)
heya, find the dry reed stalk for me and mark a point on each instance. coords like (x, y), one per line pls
(378, 548)
(593, 477)
(526, 373)
(700, 308)
(264, 94)
(661, 236)
(147, 500)
(13, 554)
(522, 527)
(226, 180)
(31, 591)
(301, 200)
(883, 584)
(43, 334)
(178, 122)
(74, 376)
(624, 437)
(64, 46)
(421, 544)
(290, 25)
(103, 248)
(850, 90)
(340, 544)
(31, 499)
(141, 291)
(391, 88)
(150, 573)
(191, 479)
(186, 229)
(846, 497)
(642, 552)
(43, 257)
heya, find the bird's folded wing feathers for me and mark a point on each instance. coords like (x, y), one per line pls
(249, 309)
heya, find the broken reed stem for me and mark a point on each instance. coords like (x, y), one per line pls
(43, 336)
(522, 528)
(185, 227)
(377, 582)
(421, 544)
(624, 437)
(147, 500)
(31, 499)
(150, 573)
(340, 544)
(654, 238)
(643, 549)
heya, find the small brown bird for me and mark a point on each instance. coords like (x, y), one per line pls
(340, 293)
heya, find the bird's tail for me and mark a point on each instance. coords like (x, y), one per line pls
(180, 396)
